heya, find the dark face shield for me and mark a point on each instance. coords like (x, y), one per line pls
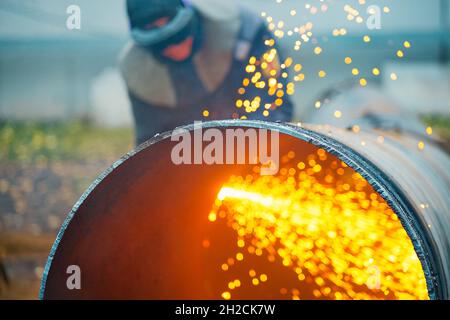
(182, 25)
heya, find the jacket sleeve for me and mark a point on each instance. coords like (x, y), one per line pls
(149, 119)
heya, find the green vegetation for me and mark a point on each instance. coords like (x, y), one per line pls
(440, 124)
(42, 142)
(37, 142)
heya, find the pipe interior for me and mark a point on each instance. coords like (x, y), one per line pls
(316, 230)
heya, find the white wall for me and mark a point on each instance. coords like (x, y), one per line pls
(47, 18)
(406, 16)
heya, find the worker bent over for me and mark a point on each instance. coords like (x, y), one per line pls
(204, 58)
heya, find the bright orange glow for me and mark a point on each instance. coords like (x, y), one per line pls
(318, 223)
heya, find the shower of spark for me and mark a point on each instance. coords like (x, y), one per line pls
(317, 230)
(264, 73)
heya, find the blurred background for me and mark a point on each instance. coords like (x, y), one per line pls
(65, 116)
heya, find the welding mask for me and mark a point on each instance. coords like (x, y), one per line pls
(183, 22)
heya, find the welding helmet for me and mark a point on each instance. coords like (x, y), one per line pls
(183, 22)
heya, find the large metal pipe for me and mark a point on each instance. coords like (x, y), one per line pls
(136, 231)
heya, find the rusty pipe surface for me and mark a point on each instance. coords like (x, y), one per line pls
(133, 232)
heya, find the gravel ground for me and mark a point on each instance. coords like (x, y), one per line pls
(36, 199)
(44, 169)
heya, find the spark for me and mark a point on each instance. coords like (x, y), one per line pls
(322, 222)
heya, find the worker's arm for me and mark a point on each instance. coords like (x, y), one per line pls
(149, 119)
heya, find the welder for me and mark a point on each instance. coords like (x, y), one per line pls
(187, 61)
